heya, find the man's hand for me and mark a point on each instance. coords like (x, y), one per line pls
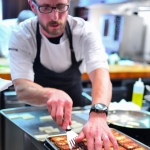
(60, 107)
(96, 131)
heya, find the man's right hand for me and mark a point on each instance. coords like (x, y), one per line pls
(58, 102)
(60, 107)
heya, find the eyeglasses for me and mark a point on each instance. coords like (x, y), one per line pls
(48, 9)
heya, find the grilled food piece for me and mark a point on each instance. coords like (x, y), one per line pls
(124, 142)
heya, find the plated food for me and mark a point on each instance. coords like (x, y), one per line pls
(59, 142)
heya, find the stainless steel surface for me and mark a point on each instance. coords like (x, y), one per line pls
(31, 127)
(50, 145)
(130, 119)
(147, 97)
(9, 130)
(141, 144)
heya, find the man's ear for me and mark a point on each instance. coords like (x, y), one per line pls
(32, 6)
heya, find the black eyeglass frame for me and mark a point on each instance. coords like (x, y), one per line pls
(50, 7)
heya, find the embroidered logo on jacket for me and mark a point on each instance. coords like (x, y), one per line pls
(13, 49)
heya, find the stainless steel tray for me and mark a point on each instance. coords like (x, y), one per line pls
(31, 126)
(139, 143)
(51, 146)
(130, 119)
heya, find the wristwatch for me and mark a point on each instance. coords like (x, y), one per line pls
(99, 108)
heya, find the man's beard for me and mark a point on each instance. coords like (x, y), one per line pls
(53, 32)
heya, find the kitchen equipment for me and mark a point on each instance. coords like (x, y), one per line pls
(71, 135)
(80, 114)
(133, 123)
(119, 34)
(9, 100)
(52, 141)
(56, 142)
(147, 87)
(30, 127)
(147, 99)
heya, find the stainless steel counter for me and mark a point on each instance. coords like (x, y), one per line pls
(30, 127)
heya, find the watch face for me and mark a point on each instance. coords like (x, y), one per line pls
(100, 107)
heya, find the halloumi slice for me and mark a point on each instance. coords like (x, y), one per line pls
(77, 130)
(73, 122)
(46, 128)
(27, 116)
(46, 118)
(76, 125)
(41, 136)
(13, 116)
(55, 130)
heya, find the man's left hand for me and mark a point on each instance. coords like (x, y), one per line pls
(96, 131)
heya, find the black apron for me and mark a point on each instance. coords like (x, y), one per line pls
(68, 81)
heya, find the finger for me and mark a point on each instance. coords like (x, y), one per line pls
(80, 137)
(90, 139)
(114, 142)
(67, 114)
(59, 114)
(49, 107)
(106, 141)
(98, 141)
(53, 110)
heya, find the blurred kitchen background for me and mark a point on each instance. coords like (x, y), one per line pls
(124, 26)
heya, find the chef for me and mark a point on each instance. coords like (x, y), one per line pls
(47, 57)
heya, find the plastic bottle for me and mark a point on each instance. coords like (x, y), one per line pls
(138, 92)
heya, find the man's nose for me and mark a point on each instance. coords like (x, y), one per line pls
(54, 15)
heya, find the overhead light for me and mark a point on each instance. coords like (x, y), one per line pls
(144, 8)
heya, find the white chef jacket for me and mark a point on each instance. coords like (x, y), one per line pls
(86, 43)
(6, 27)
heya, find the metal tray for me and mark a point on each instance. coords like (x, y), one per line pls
(130, 119)
(51, 146)
(31, 127)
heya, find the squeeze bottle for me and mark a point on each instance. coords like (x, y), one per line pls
(138, 92)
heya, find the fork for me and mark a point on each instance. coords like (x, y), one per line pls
(71, 135)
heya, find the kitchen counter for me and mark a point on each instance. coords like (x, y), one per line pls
(30, 127)
(4, 69)
(126, 72)
(116, 71)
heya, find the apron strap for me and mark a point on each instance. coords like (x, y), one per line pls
(38, 40)
(69, 34)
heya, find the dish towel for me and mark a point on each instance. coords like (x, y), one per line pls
(4, 84)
